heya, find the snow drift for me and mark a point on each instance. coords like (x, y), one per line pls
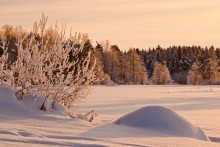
(9, 104)
(164, 120)
(29, 105)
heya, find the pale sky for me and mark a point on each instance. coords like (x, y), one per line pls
(127, 23)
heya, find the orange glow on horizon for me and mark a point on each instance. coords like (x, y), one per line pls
(128, 23)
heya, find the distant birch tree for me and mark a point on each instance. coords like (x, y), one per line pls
(161, 74)
(194, 76)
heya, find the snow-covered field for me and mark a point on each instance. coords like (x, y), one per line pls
(194, 106)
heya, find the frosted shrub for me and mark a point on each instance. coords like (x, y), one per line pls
(43, 66)
(3, 60)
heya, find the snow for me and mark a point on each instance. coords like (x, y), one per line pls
(28, 106)
(22, 126)
(162, 119)
(60, 108)
(9, 105)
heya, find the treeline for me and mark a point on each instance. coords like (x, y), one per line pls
(180, 60)
(172, 65)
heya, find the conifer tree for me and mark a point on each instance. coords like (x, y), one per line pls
(136, 71)
(101, 76)
(113, 62)
(211, 69)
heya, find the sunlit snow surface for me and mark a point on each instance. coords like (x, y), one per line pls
(163, 120)
(199, 105)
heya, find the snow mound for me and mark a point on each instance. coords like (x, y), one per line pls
(7, 93)
(60, 108)
(8, 101)
(164, 120)
(29, 105)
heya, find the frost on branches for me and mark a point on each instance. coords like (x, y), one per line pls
(194, 75)
(136, 72)
(161, 74)
(210, 69)
(43, 67)
(206, 73)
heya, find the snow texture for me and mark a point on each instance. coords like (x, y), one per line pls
(29, 105)
(22, 124)
(162, 119)
(8, 102)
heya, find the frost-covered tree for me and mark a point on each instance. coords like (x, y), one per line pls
(161, 74)
(43, 66)
(3, 60)
(194, 75)
(136, 73)
(1, 47)
(211, 69)
(112, 62)
(101, 76)
(7, 32)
